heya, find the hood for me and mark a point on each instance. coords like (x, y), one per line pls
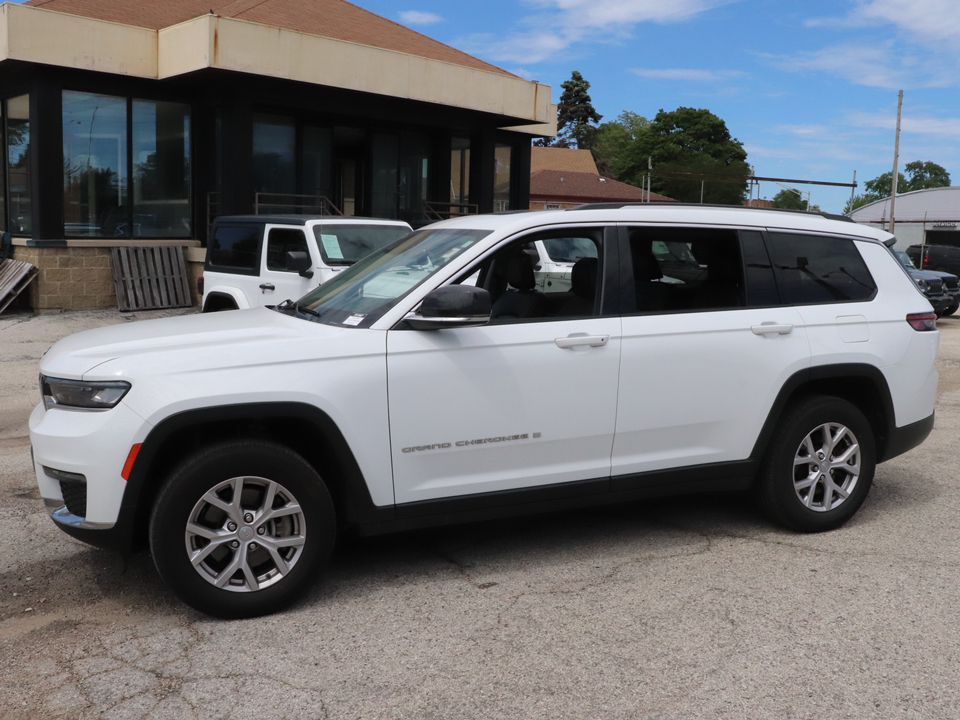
(198, 340)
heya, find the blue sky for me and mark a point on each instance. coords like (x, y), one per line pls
(810, 88)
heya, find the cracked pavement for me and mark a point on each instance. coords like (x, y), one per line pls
(688, 607)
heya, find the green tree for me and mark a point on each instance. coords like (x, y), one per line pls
(920, 176)
(693, 157)
(858, 201)
(575, 113)
(879, 187)
(612, 140)
(789, 200)
(924, 175)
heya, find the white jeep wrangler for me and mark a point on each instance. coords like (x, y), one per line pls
(697, 348)
(255, 260)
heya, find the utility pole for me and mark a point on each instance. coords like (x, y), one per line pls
(896, 168)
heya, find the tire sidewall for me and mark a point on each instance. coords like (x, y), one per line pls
(204, 471)
(777, 485)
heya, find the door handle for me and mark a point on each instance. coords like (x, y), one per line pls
(267, 286)
(769, 328)
(582, 341)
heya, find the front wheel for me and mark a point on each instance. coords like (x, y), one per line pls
(241, 528)
(820, 465)
(951, 310)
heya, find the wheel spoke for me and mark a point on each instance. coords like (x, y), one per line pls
(842, 459)
(274, 513)
(226, 553)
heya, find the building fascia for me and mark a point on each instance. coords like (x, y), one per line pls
(34, 35)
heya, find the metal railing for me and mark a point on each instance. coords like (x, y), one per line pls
(291, 203)
(436, 210)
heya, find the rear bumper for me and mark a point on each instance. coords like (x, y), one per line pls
(903, 439)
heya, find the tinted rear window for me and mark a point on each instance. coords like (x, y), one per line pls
(235, 248)
(816, 269)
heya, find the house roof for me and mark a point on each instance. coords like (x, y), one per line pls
(585, 187)
(558, 158)
(336, 19)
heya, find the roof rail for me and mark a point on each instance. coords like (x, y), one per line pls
(618, 205)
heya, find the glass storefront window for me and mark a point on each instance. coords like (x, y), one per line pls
(274, 162)
(384, 150)
(317, 143)
(459, 172)
(95, 165)
(414, 164)
(19, 169)
(501, 186)
(161, 169)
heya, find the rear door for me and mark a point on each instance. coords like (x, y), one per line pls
(706, 347)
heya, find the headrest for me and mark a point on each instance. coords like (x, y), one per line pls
(583, 278)
(520, 272)
(645, 266)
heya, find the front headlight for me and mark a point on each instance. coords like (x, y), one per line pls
(97, 395)
(922, 284)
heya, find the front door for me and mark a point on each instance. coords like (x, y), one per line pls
(276, 282)
(527, 400)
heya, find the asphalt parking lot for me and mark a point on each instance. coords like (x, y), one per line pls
(680, 608)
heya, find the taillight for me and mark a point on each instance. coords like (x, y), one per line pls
(922, 321)
(200, 286)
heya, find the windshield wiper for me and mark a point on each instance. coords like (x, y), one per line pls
(296, 307)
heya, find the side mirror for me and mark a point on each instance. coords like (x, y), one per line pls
(452, 306)
(299, 262)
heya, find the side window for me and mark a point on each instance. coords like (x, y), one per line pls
(544, 277)
(761, 285)
(235, 248)
(280, 241)
(686, 269)
(816, 269)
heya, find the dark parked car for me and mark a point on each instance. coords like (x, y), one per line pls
(942, 258)
(942, 289)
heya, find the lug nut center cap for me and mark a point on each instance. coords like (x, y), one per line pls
(246, 533)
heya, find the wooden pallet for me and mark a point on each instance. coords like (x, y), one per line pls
(15, 276)
(149, 278)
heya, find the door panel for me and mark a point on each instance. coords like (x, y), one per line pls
(501, 407)
(696, 387)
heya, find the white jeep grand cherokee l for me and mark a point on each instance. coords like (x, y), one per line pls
(694, 349)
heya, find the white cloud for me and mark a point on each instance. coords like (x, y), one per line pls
(910, 124)
(927, 20)
(416, 17)
(560, 24)
(804, 130)
(686, 74)
(871, 63)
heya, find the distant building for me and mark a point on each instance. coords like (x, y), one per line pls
(135, 122)
(555, 158)
(559, 189)
(923, 216)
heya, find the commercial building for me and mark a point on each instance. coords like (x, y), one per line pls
(133, 123)
(923, 216)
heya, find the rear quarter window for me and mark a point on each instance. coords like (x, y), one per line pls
(815, 269)
(235, 249)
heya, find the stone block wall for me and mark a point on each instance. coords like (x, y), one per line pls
(80, 276)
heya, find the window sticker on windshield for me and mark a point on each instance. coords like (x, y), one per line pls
(331, 246)
(354, 319)
(450, 253)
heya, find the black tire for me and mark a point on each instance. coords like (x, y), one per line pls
(799, 494)
(951, 310)
(197, 512)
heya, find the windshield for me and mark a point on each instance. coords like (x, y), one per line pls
(345, 244)
(904, 259)
(360, 295)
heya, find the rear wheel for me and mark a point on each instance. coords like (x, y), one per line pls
(820, 465)
(241, 528)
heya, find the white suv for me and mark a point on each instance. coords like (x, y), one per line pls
(257, 260)
(694, 349)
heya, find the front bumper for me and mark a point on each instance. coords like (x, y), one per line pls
(78, 457)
